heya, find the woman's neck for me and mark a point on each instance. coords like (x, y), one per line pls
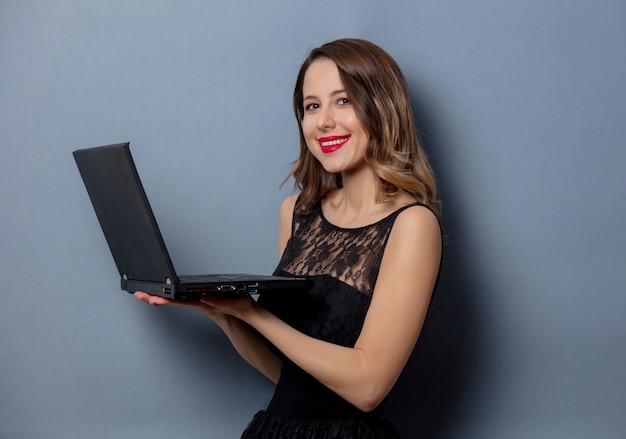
(359, 189)
(354, 204)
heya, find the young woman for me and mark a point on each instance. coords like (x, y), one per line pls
(364, 227)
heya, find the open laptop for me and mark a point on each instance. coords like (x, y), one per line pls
(129, 226)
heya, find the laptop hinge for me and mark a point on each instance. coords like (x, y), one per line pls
(124, 276)
(168, 281)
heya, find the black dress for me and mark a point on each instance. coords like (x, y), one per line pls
(344, 265)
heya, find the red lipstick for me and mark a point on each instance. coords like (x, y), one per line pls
(332, 143)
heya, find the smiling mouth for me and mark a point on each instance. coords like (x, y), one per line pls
(333, 143)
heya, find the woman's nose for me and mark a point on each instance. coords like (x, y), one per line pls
(326, 119)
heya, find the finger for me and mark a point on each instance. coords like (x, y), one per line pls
(158, 301)
(150, 299)
(144, 297)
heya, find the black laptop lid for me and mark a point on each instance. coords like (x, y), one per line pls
(125, 216)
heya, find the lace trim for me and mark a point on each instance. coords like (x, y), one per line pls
(352, 256)
(266, 426)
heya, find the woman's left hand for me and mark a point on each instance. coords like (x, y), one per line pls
(234, 306)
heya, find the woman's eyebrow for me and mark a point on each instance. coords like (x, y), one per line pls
(334, 93)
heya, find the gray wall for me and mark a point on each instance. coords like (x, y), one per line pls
(522, 109)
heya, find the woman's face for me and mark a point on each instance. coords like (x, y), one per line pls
(331, 128)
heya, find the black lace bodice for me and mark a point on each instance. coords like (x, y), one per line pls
(351, 256)
(343, 264)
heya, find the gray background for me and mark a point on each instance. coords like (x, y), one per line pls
(522, 106)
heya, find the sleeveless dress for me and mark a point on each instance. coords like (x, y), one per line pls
(343, 263)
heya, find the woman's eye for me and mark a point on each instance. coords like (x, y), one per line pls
(343, 101)
(310, 107)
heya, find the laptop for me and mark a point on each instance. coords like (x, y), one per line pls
(133, 236)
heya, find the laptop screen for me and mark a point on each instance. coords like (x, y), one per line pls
(125, 216)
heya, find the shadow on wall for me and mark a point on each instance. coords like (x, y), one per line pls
(436, 379)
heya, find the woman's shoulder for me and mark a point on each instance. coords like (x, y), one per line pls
(412, 211)
(286, 210)
(285, 222)
(416, 219)
(288, 204)
(407, 212)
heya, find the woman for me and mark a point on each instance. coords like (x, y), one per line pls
(364, 228)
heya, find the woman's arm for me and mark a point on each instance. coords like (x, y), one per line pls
(285, 223)
(245, 339)
(365, 374)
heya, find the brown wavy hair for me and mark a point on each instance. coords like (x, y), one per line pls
(378, 92)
